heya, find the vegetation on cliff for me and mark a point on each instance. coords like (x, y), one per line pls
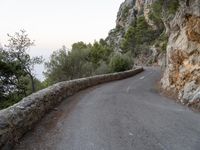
(146, 33)
(138, 36)
(163, 10)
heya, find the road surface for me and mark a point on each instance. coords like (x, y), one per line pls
(128, 114)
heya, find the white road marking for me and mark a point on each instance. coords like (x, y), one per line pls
(142, 77)
(138, 80)
(128, 89)
(131, 134)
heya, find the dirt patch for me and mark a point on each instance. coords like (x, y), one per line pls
(193, 28)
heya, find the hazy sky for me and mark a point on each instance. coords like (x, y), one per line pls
(53, 23)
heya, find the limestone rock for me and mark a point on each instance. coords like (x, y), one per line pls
(147, 10)
(188, 92)
(183, 52)
(126, 15)
(196, 97)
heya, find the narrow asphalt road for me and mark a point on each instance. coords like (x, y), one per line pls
(123, 115)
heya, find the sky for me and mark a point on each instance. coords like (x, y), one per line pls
(53, 23)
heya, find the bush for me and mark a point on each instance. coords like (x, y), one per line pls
(139, 34)
(120, 62)
(82, 61)
(169, 7)
(161, 42)
(125, 13)
(103, 68)
(173, 6)
(157, 9)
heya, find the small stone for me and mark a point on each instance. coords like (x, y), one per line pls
(55, 109)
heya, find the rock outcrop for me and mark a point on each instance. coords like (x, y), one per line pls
(129, 12)
(182, 74)
(181, 19)
(147, 10)
(126, 16)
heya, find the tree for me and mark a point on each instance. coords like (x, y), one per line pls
(120, 62)
(16, 70)
(68, 65)
(100, 51)
(58, 68)
(10, 73)
(138, 34)
(83, 60)
(162, 11)
(12, 85)
(79, 45)
(17, 47)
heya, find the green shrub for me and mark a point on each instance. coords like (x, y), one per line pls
(82, 61)
(156, 13)
(139, 34)
(169, 7)
(125, 13)
(162, 41)
(120, 62)
(103, 68)
(173, 6)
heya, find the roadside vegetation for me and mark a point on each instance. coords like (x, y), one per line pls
(17, 78)
(163, 9)
(84, 60)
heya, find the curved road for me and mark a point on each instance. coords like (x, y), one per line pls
(123, 115)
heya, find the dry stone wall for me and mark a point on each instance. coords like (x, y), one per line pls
(19, 118)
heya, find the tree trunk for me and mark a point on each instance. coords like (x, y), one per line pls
(32, 83)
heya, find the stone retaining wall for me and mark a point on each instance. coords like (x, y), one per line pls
(21, 117)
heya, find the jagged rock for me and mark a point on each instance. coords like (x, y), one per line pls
(196, 97)
(183, 49)
(139, 6)
(161, 60)
(147, 10)
(126, 15)
(188, 92)
(183, 52)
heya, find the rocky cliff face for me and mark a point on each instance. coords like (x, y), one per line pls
(115, 35)
(127, 14)
(147, 10)
(182, 74)
(181, 19)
